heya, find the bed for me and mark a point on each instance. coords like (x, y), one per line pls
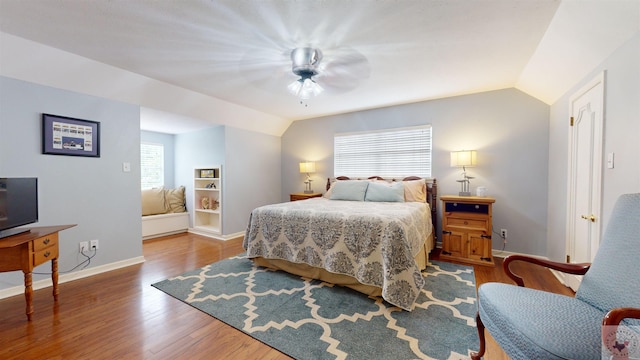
(354, 236)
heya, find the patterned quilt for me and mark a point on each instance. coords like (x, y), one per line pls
(374, 242)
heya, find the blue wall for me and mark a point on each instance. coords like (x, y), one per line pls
(93, 193)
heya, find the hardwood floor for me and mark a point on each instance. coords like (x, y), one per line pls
(118, 315)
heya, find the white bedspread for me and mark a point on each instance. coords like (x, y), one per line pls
(374, 242)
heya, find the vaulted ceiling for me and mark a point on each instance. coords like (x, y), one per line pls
(377, 53)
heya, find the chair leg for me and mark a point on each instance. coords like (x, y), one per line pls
(478, 355)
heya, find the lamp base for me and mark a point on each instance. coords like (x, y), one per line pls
(464, 193)
(308, 191)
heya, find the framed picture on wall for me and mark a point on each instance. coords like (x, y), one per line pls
(63, 135)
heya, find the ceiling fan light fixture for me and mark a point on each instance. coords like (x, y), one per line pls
(305, 87)
(305, 63)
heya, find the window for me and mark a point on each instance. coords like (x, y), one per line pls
(387, 153)
(151, 165)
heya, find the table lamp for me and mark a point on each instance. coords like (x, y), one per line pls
(463, 159)
(306, 168)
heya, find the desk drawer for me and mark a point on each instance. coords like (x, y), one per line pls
(45, 241)
(44, 255)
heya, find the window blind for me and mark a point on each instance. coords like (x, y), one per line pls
(151, 165)
(387, 153)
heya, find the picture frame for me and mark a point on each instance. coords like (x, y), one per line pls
(207, 173)
(62, 135)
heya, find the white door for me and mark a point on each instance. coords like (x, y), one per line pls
(585, 174)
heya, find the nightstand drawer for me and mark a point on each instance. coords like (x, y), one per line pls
(468, 224)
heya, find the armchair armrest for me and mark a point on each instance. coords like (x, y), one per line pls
(576, 269)
(611, 321)
(615, 316)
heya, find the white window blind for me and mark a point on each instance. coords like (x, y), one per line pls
(151, 165)
(387, 153)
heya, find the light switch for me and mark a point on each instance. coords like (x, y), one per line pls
(126, 167)
(610, 157)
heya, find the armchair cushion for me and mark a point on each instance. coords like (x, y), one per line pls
(532, 324)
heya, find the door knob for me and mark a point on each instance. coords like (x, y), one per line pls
(589, 217)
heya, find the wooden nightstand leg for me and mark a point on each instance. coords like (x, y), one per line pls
(28, 294)
(54, 278)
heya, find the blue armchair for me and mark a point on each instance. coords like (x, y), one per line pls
(533, 324)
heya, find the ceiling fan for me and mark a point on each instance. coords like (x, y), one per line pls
(306, 71)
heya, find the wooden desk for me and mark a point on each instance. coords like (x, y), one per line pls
(27, 250)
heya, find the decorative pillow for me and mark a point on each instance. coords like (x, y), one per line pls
(327, 195)
(385, 192)
(415, 191)
(352, 190)
(153, 202)
(175, 200)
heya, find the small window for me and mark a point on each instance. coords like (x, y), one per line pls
(387, 153)
(151, 165)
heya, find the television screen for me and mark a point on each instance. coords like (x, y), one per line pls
(18, 204)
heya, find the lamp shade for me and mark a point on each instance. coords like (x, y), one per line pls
(307, 167)
(463, 158)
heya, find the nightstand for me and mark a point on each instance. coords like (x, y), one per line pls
(303, 196)
(466, 229)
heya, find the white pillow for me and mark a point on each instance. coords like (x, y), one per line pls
(385, 192)
(352, 190)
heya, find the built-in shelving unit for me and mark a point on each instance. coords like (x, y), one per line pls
(207, 210)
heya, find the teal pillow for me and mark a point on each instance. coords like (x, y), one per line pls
(385, 192)
(352, 190)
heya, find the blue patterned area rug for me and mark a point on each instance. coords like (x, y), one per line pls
(310, 319)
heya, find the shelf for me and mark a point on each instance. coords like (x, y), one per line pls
(216, 211)
(206, 189)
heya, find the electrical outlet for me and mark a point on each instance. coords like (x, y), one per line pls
(94, 244)
(84, 246)
(503, 234)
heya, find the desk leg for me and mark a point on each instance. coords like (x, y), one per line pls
(54, 278)
(28, 294)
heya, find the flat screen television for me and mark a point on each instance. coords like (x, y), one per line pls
(18, 204)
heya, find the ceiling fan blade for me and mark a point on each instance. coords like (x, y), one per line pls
(267, 69)
(344, 69)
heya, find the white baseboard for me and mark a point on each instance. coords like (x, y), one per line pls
(216, 236)
(63, 278)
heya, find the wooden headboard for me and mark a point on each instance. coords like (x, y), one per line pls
(432, 194)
